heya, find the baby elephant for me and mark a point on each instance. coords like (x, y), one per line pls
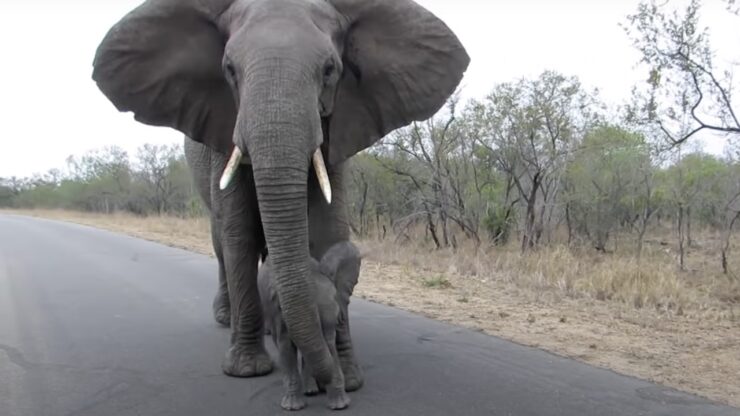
(331, 304)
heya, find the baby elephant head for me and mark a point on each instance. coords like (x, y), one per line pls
(341, 264)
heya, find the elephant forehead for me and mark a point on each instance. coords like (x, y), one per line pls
(319, 12)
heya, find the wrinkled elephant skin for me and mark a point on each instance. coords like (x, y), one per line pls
(277, 79)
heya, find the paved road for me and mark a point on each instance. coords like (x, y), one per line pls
(94, 323)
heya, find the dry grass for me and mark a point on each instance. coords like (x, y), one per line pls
(654, 282)
(646, 318)
(187, 233)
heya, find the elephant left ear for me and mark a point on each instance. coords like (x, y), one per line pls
(401, 63)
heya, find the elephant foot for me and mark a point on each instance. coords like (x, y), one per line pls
(246, 362)
(292, 401)
(222, 308)
(310, 388)
(338, 399)
(353, 377)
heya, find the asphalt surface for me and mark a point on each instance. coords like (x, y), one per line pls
(95, 323)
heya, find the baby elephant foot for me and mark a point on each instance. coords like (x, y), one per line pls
(222, 308)
(246, 362)
(338, 399)
(353, 377)
(292, 401)
(310, 388)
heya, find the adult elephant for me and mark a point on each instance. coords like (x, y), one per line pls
(276, 84)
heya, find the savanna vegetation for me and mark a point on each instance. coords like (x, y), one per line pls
(538, 162)
(538, 194)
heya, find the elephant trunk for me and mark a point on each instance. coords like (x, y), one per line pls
(279, 132)
(282, 201)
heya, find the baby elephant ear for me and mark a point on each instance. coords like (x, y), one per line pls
(401, 63)
(163, 61)
(342, 264)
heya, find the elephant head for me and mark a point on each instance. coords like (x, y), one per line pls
(276, 80)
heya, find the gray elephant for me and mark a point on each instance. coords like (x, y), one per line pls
(277, 84)
(331, 293)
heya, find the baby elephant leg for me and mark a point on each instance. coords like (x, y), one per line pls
(310, 387)
(335, 392)
(343, 261)
(293, 397)
(354, 378)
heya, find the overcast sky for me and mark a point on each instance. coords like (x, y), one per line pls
(50, 108)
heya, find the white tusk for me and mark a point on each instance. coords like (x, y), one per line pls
(320, 168)
(231, 168)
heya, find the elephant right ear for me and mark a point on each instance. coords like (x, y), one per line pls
(163, 62)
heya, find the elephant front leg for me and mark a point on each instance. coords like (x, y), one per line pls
(353, 377)
(336, 393)
(246, 356)
(293, 396)
(241, 240)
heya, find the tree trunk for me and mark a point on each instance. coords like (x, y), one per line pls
(681, 237)
(569, 224)
(726, 243)
(363, 202)
(529, 238)
(689, 243)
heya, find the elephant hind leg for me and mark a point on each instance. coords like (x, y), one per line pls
(201, 160)
(310, 386)
(221, 304)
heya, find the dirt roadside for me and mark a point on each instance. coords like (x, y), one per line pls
(691, 351)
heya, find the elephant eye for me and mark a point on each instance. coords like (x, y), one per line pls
(230, 72)
(329, 70)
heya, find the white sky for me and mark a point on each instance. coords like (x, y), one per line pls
(50, 108)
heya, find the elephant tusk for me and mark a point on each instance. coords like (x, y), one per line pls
(231, 168)
(320, 168)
